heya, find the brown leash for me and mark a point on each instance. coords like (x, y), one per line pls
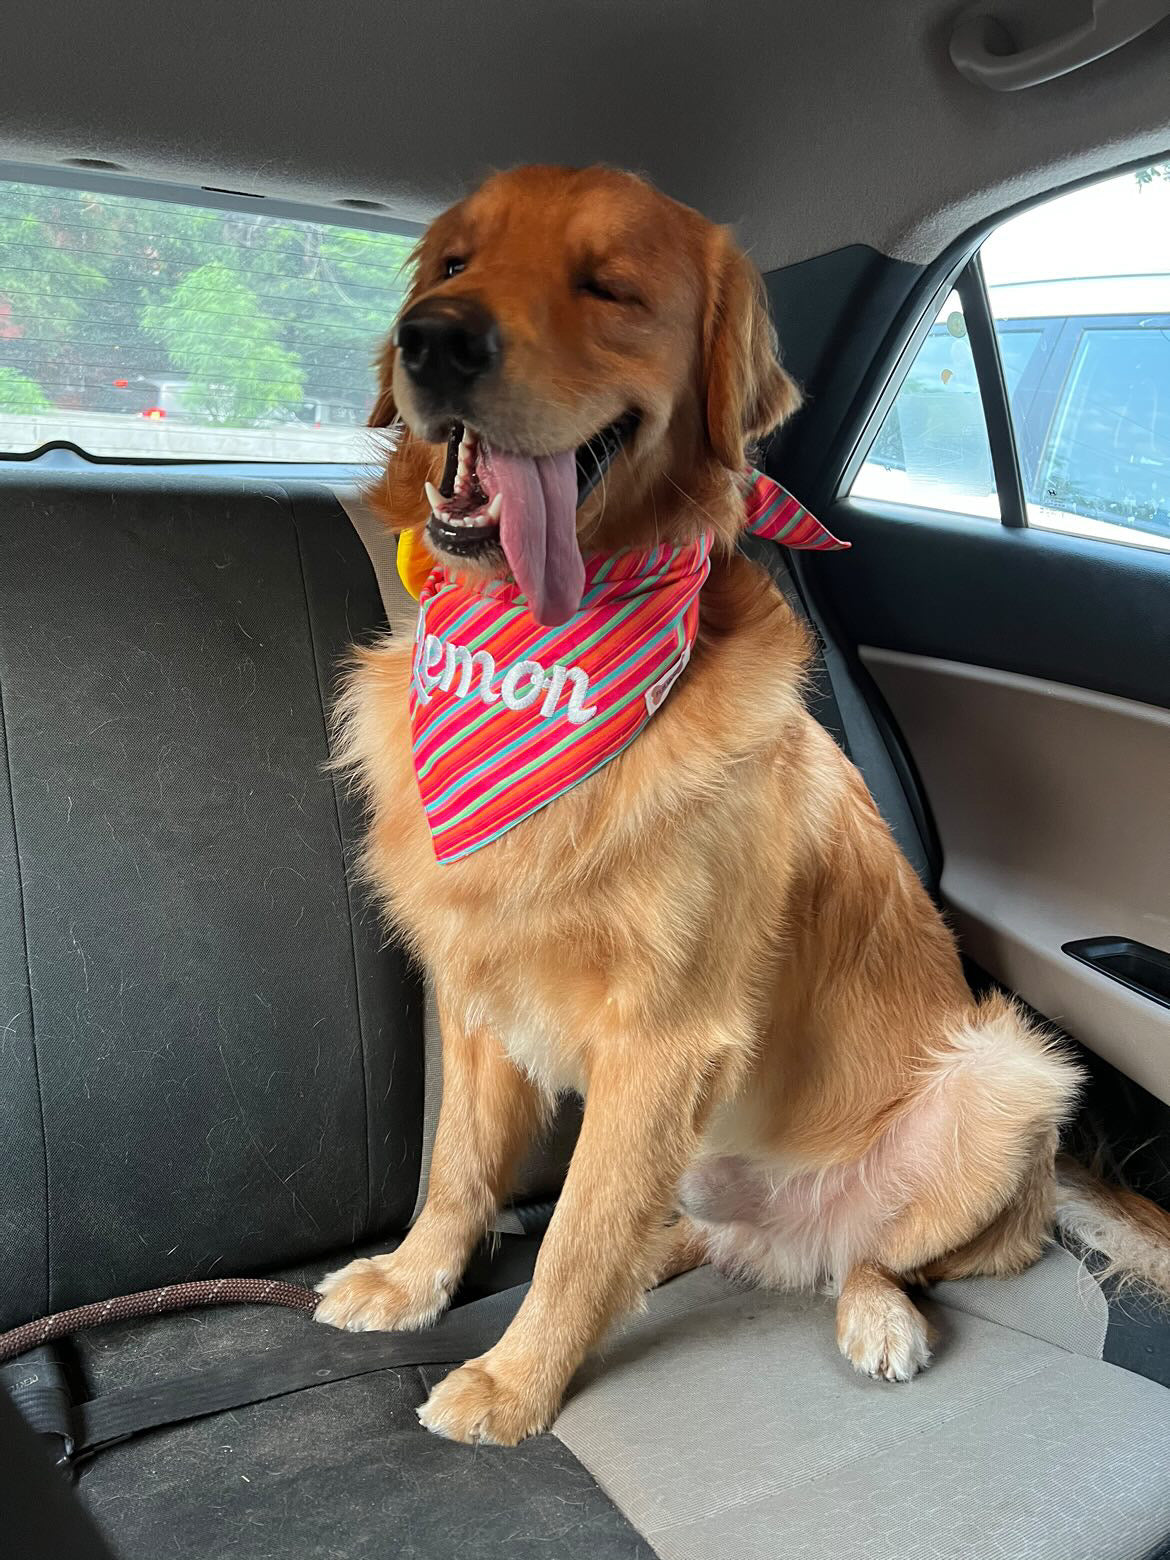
(316, 1355)
(154, 1302)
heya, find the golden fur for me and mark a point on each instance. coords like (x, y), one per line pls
(714, 937)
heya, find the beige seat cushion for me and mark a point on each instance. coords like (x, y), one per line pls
(726, 1426)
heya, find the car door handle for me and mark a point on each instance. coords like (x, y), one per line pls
(984, 51)
(1143, 969)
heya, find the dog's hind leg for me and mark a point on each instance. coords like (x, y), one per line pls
(686, 1248)
(1018, 1235)
(977, 1154)
(880, 1330)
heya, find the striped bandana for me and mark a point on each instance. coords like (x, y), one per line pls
(506, 715)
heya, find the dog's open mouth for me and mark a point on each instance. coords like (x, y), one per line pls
(524, 507)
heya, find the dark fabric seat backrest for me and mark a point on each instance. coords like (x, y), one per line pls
(210, 1061)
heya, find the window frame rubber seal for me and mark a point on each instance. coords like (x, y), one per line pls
(971, 287)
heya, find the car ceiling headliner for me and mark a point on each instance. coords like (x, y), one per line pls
(808, 125)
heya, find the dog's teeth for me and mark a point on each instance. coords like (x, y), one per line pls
(494, 508)
(434, 497)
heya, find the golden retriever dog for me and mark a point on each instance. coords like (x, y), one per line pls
(713, 937)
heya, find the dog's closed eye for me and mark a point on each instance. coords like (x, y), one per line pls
(608, 290)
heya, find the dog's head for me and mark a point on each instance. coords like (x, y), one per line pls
(580, 362)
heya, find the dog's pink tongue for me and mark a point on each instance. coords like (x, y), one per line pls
(538, 530)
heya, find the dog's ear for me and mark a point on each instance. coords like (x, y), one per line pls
(385, 412)
(747, 392)
(398, 494)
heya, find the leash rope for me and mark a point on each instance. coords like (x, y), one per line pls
(154, 1302)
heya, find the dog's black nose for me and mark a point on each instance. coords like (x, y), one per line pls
(447, 343)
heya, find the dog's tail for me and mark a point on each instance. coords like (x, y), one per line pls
(1130, 1232)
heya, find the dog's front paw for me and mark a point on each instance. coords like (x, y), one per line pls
(371, 1296)
(884, 1336)
(483, 1402)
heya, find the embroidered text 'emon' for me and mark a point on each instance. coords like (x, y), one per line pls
(454, 668)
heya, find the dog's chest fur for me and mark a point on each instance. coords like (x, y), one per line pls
(637, 904)
(536, 1041)
(528, 938)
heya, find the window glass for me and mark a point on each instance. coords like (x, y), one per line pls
(1017, 349)
(932, 449)
(1079, 289)
(1109, 454)
(1091, 271)
(133, 327)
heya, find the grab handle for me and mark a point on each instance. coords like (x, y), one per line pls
(985, 53)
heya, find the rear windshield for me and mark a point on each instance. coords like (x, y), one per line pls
(149, 329)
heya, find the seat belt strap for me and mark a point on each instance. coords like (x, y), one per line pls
(821, 697)
(317, 1355)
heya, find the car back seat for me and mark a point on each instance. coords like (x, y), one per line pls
(212, 1057)
(212, 1063)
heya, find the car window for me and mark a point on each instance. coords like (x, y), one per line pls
(1078, 294)
(1017, 349)
(932, 449)
(140, 328)
(1109, 454)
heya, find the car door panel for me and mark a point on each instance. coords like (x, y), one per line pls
(1026, 668)
(1028, 674)
(1065, 608)
(1050, 802)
